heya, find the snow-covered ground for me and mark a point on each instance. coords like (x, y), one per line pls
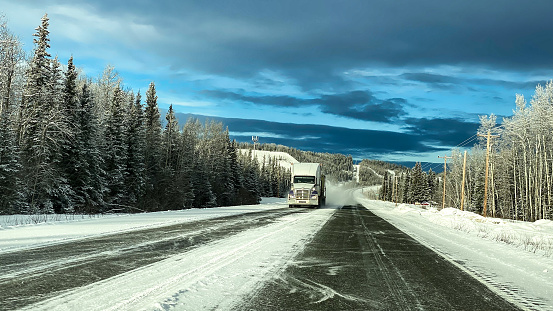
(284, 159)
(210, 277)
(24, 231)
(513, 258)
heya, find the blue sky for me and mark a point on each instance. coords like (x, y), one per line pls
(390, 80)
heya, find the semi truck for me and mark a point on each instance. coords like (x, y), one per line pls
(307, 185)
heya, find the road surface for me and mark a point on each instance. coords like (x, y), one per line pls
(334, 258)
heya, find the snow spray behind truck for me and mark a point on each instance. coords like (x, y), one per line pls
(307, 185)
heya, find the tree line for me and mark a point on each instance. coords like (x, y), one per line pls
(409, 186)
(520, 167)
(337, 167)
(72, 145)
(520, 157)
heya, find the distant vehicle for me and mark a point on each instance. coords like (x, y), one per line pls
(307, 185)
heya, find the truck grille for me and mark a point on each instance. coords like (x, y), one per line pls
(302, 194)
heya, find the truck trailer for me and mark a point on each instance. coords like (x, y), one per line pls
(307, 185)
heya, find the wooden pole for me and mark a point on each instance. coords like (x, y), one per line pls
(488, 136)
(463, 182)
(445, 170)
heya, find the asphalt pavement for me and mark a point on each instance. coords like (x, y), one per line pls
(358, 261)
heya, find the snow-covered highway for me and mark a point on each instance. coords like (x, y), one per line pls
(265, 257)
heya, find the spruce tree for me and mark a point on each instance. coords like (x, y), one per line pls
(188, 159)
(152, 152)
(135, 179)
(88, 182)
(419, 184)
(115, 159)
(39, 127)
(70, 146)
(10, 167)
(172, 197)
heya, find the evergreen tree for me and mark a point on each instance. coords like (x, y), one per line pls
(250, 193)
(432, 185)
(10, 184)
(419, 184)
(135, 179)
(236, 177)
(70, 145)
(188, 159)
(115, 159)
(229, 190)
(171, 146)
(88, 181)
(152, 152)
(39, 128)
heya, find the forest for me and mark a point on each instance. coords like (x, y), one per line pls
(73, 144)
(518, 160)
(69, 144)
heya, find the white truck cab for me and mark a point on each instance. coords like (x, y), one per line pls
(307, 185)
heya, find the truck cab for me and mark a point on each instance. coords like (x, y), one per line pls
(307, 185)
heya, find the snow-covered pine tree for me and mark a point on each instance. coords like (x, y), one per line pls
(10, 167)
(89, 182)
(235, 171)
(135, 178)
(115, 151)
(172, 197)
(188, 159)
(229, 191)
(419, 184)
(432, 185)
(152, 153)
(70, 146)
(40, 127)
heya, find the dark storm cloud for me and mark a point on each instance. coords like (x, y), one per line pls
(363, 106)
(442, 131)
(322, 138)
(315, 40)
(360, 105)
(278, 101)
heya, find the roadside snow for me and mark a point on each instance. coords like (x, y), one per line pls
(212, 277)
(512, 258)
(26, 234)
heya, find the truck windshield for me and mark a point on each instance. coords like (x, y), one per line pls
(304, 179)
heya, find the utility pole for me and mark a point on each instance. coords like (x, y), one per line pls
(445, 170)
(255, 139)
(463, 182)
(488, 136)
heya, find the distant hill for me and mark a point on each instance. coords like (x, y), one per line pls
(284, 159)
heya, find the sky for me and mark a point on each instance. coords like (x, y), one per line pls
(389, 80)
